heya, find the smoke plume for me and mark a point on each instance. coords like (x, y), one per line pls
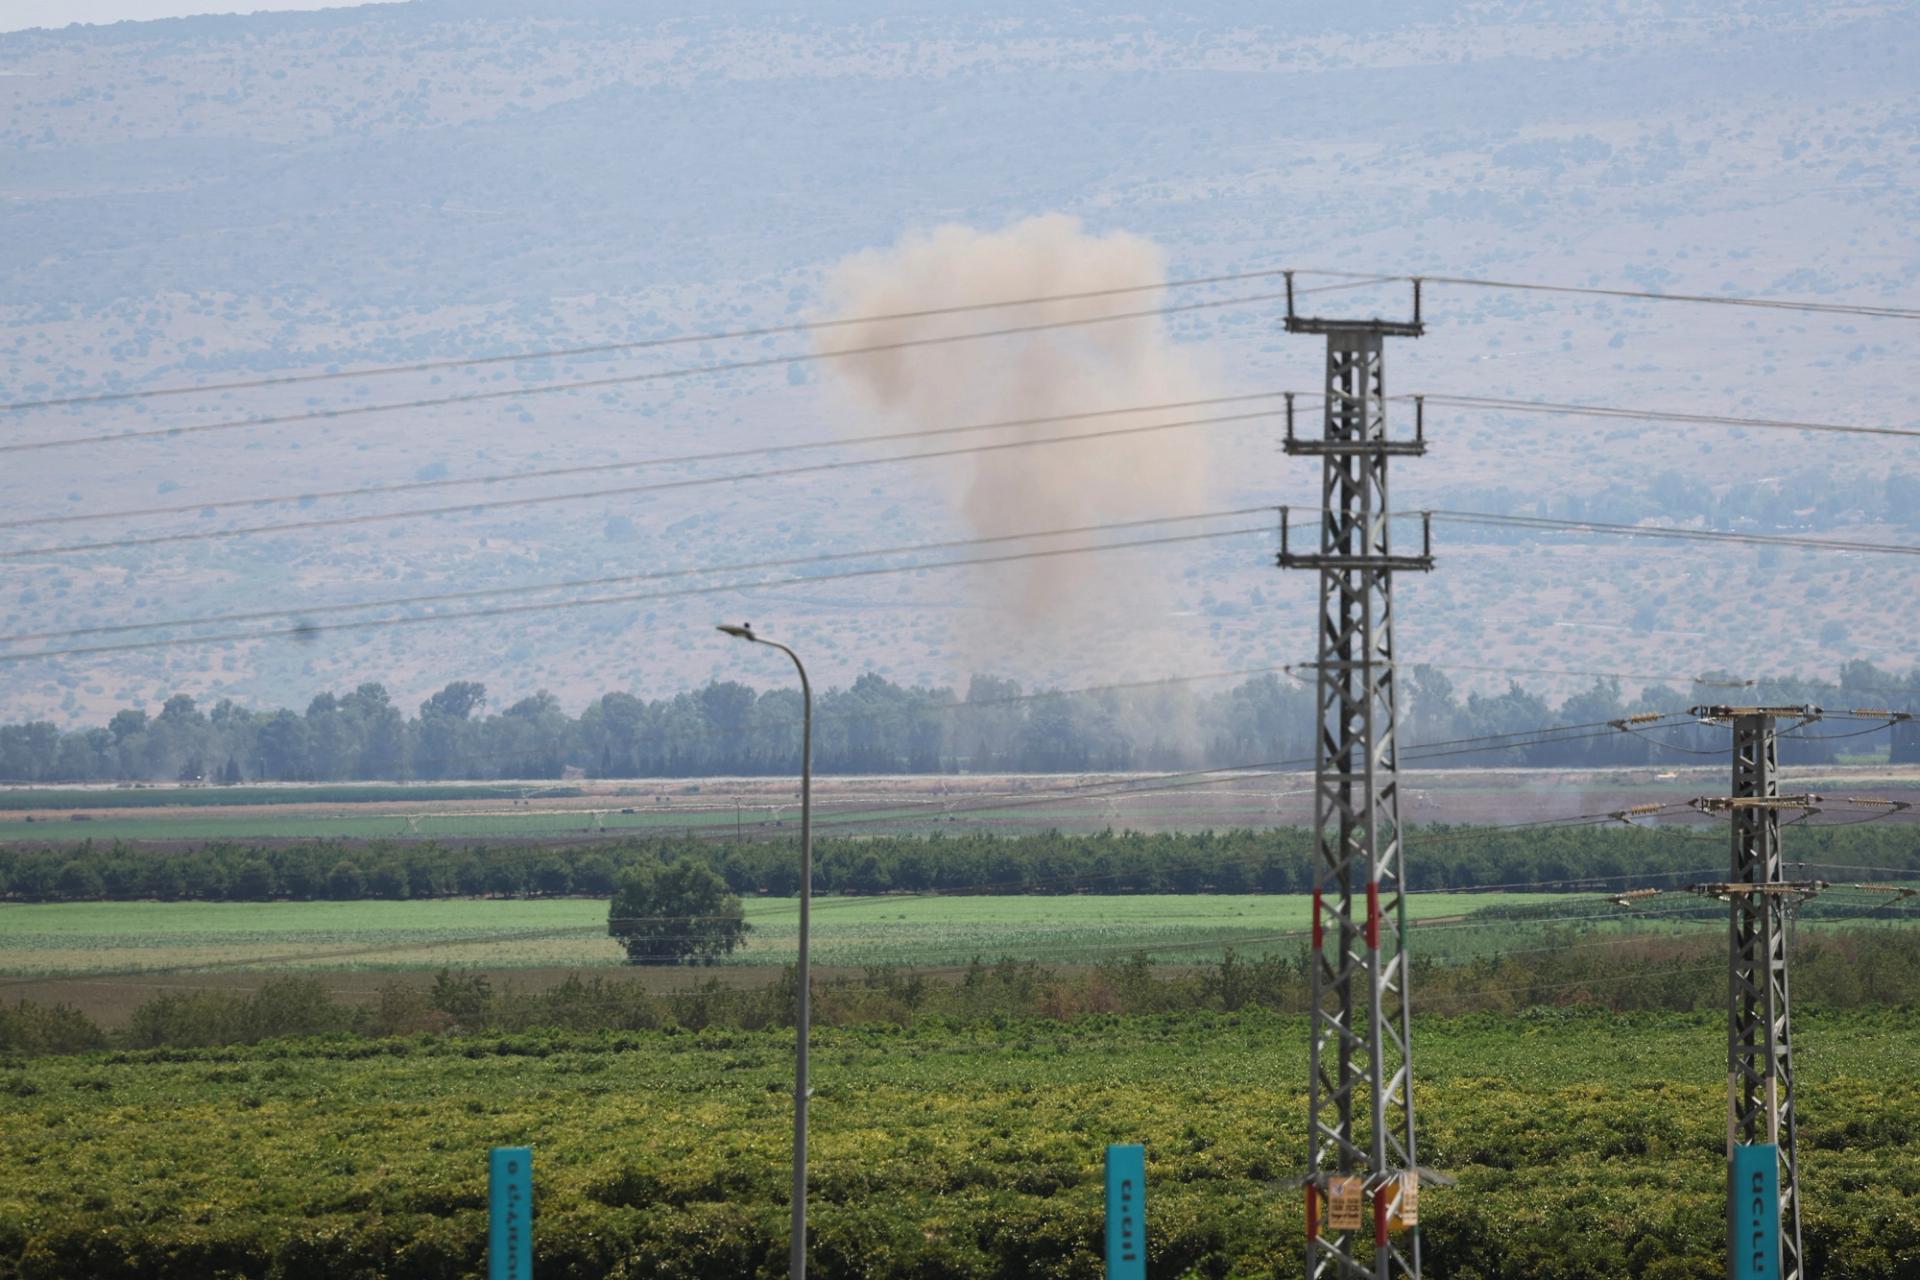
(1116, 364)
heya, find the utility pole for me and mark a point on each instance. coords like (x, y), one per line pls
(1362, 1182)
(1763, 1187)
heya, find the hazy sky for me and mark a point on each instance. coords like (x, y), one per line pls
(17, 15)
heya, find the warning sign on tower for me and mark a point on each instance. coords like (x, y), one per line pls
(1346, 1203)
(1407, 1214)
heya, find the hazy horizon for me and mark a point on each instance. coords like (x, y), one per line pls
(25, 15)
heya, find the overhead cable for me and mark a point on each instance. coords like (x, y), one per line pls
(1724, 300)
(616, 491)
(676, 340)
(306, 631)
(1351, 279)
(311, 630)
(787, 562)
(636, 464)
(1491, 404)
(1505, 405)
(627, 379)
(1668, 531)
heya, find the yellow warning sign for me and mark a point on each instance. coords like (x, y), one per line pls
(1407, 1212)
(1346, 1203)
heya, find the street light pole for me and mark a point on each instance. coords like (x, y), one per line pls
(803, 1000)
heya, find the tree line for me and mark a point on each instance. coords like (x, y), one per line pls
(1231, 861)
(873, 726)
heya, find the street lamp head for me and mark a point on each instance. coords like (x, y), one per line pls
(742, 632)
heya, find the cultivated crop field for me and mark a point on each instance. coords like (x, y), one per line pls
(110, 937)
(543, 810)
(1587, 1147)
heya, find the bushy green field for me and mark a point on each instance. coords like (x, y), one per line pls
(92, 937)
(1587, 1146)
(144, 797)
(201, 824)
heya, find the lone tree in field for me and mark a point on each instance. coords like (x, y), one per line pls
(674, 913)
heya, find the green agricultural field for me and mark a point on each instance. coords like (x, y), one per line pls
(165, 822)
(99, 937)
(1587, 1147)
(205, 824)
(197, 797)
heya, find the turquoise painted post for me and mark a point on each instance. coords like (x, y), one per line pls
(1126, 1212)
(1753, 1213)
(510, 1201)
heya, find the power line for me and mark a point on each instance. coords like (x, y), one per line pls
(1702, 681)
(1659, 531)
(1472, 402)
(1214, 776)
(1462, 517)
(1570, 884)
(979, 888)
(308, 631)
(1504, 405)
(1671, 915)
(1675, 915)
(1724, 300)
(656, 375)
(1352, 280)
(1121, 788)
(1855, 868)
(868, 715)
(305, 631)
(1012, 888)
(679, 340)
(1568, 986)
(440, 597)
(597, 930)
(693, 482)
(831, 715)
(1833, 737)
(1637, 732)
(719, 455)
(828, 715)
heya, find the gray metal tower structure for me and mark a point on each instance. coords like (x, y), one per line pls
(1362, 1182)
(1760, 1081)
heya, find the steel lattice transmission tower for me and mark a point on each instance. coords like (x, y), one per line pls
(1362, 1165)
(1760, 1081)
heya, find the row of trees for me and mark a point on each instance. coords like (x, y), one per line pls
(1236, 861)
(873, 726)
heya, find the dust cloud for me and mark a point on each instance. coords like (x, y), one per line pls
(1118, 364)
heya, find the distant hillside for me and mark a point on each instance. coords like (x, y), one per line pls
(236, 197)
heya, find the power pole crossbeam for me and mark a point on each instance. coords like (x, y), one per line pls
(1360, 1109)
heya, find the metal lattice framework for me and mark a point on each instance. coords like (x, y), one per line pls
(1361, 1123)
(1760, 1080)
